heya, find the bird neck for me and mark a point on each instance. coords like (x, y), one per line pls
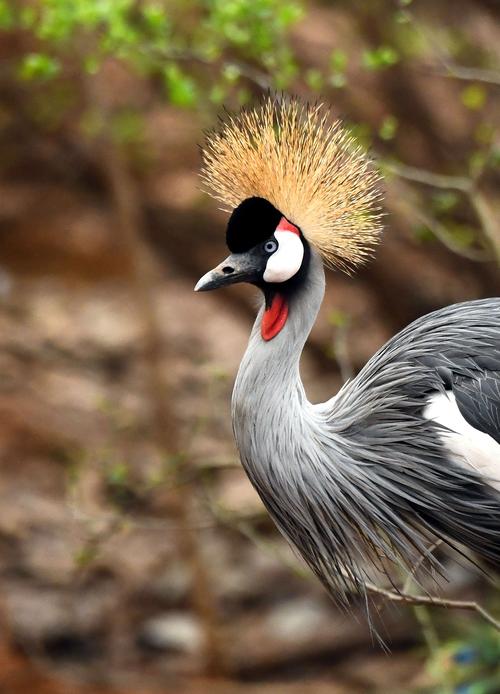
(268, 392)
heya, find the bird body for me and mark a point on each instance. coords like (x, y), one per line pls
(407, 451)
(370, 473)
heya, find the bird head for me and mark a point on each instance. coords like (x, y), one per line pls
(291, 179)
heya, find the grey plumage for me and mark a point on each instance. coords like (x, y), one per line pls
(365, 474)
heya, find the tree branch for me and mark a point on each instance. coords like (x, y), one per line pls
(488, 222)
(434, 601)
(469, 74)
(429, 178)
(442, 233)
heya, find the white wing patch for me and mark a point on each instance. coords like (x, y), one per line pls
(286, 261)
(466, 445)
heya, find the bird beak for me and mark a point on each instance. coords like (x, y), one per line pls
(238, 267)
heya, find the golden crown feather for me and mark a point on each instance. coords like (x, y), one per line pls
(307, 165)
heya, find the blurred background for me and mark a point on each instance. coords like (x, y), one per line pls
(134, 555)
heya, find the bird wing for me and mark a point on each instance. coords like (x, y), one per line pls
(468, 407)
(474, 380)
(478, 400)
(444, 477)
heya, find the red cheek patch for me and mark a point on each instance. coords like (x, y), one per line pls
(274, 317)
(285, 225)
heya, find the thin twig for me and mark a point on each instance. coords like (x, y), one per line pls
(469, 74)
(489, 224)
(434, 601)
(448, 67)
(487, 219)
(443, 235)
(429, 178)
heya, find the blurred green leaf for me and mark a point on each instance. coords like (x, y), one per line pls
(314, 79)
(380, 58)
(422, 233)
(39, 66)
(388, 128)
(231, 72)
(474, 97)
(6, 15)
(494, 159)
(444, 201)
(338, 318)
(337, 80)
(463, 234)
(485, 133)
(401, 17)
(361, 132)
(155, 18)
(244, 96)
(91, 64)
(181, 87)
(290, 13)
(127, 126)
(27, 17)
(338, 60)
(118, 474)
(338, 64)
(92, 125)
(477, 162)
(86, 555)
(217, 93)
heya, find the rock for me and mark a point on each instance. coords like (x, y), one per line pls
(176, 632)
(298, 619)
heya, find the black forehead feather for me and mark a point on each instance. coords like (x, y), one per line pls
(253, 221)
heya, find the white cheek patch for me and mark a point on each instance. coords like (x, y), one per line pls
(286, 261)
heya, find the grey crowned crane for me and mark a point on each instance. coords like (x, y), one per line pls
(409, 450)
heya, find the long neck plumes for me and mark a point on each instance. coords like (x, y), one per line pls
(278, 431)
(269, 403)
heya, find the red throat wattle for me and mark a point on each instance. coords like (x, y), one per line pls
(274, 317)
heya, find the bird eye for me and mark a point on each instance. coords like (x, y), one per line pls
(270, 246)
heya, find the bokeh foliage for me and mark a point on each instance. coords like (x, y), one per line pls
(202, 54)
(173, 41)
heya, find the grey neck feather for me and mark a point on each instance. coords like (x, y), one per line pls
(279, 433)
(268, 379)
(272, 418)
